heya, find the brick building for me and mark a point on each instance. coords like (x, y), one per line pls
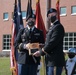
(67, 18)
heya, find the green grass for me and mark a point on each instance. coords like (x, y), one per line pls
(5, 66)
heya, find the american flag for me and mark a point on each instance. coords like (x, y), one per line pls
(16, 26)
(20, 20)
(13, 30)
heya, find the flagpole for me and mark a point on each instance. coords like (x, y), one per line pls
(48, 6)
(43, 65)
(47, 25)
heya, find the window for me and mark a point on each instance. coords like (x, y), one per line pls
(62, 11)
(6, 42)
(5, 16)
(23, 14)
(69, 41)
(73, 10)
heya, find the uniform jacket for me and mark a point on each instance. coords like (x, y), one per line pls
(54, 45)
(24, 37)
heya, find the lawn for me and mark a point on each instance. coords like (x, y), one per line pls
(5, 66)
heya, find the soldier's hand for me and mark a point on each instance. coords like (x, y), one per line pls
(41, 45)
(37, 53)
(27, 46)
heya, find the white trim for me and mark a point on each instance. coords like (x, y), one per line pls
(5, 19)
(73, 14)
(6, 50)
(23, 17)
(63, 14)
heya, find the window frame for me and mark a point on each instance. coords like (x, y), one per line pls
(22, 15)
(7, 42)
(4, 16)
(63, 14)
(72, 11)
(69, 43)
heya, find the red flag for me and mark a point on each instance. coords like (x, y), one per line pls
(58, 10)
(39, 21)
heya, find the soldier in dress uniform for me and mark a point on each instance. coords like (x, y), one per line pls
(28, 64)
(53, 48)
(71, 62)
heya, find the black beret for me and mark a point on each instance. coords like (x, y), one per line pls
(31, 16)
(51, 10)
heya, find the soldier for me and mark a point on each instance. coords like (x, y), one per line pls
(28, 64)
(71, 62)
(53, 48)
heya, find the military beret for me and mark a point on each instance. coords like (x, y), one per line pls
(31, 16)
(51, 10)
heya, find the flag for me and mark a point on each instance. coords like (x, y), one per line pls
(58, 9)
(19, 24)
(39, 21)
(13, 30)
(16, 26)
(29, 10)
(40, 25)
(20, 20)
